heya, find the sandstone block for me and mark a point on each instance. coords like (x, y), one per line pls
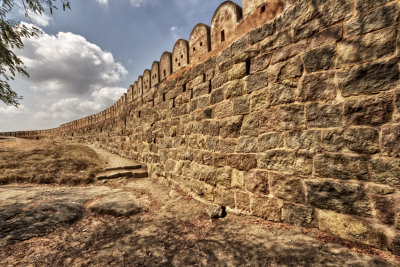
(210, 127)
(282, 93)
(214, 211)
(259, 99)
(291, 69)
(241, 105)
(261, 33)
(351, 228)
(227, 145)
(268, 208)
(200, 90)
(232, 89)
(278, 40)
(250, 125)
(256, 81)
(237, 180)
(201, 189)
(310, 140)
(373, 111)
(303, 163)
(384, 208)
(257, 182)
(243, 162)
(324, 115)
(238, 71)
(289, 51)
(396, 245)
(338, 166)
(246, 145)
(385, 171)
(297, 215)
(269, 120)
(292, 117)
(242, 201)
(277, 160)
(223, 109)
(287, 187)
(369, 79)
(270, 141)
(219, 80)
(259, 63)
(231, 127)
(366, 5)
(377, 19)
(391, 140)
(326, 36)
(319, 58)
(240, 45)
(216, 96)
(340, 197)
(223, 176)
(319, 86)
(224, 198)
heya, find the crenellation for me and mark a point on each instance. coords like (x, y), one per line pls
(293, 117)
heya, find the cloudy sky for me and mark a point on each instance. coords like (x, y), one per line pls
(88, 56)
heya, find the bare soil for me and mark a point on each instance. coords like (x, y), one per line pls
(173, 230)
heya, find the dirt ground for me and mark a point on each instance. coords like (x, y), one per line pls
(51, 225)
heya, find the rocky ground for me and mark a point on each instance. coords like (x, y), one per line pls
(140, 222)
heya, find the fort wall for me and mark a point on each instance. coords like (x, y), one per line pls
(292, 116)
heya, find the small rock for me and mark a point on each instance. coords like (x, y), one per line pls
(215, 211)
(174, 195)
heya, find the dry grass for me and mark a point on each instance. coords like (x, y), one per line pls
(27, 161)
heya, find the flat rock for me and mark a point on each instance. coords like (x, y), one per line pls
(120, 204)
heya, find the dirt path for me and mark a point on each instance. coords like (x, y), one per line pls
(171, 229)
(112, 160)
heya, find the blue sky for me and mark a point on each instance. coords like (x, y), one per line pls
(88, 56)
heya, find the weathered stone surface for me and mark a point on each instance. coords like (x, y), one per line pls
(256, 81)
(297, 215)
(303, 163)
(341, 197)
(237, 180)
(242, 201)
(259, 63)
(385, 171)
(368, 111)
(269, 120)
(238, 71)
(319, 86)
(214, 211)
(119, 204)
(324, 115)
(291, 69)
(384, 208)
(369, 79)
(391, 140)
(216, 96)
(287, 187)
(268, 208)
(261, 32)
(250, 125)
(340, 166)
(278, 160)
(310, 140)
(288, 51)
(396, 245)
(232, 89)
(270, 141)
(241, 105)
(223, 176)
(242, 161)
(246, 145)
(282, 93)
(377, 19)
(224, 198)
(366, 5)
(326, 36)
(231, 127)
(351, 228)
(319, 58)
(278, 40)
(259, 99)
(292, 117)
(257, 182)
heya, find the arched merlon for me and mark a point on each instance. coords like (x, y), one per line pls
(165, 65)
(180, 55)
(155, 73)
(130, 94)
(199, 42)
(135, 90)
(140, 85)
(224, 23)
(146, 80)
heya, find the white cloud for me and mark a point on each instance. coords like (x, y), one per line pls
(176, 32)
(103, 2)
(11, 110)
(42, 20)
(139, 3)
(68, 63)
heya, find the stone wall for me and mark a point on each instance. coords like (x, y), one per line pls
(295, 118)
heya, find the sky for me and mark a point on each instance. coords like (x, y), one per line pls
(87, 57)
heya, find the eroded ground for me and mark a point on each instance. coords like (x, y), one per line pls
(55, 226)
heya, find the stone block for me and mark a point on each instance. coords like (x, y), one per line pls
(270, 141)
(210, 127)
(366, 5)
(384, 208)
(327, 36)
(219, 160)
(267, 208)
(343, 167)
(310, 140)
(282, 93)
(243, 162)
(250, 125)
(288, 51)
(385, 171)
(232, 89)
(200, 90)
(369, 79)
(225, 198)
(372, 111)
(238, 71)
(246, 145)
(241, 105)
(220, 80)
(257, 182)
(242, 201)
(303, 163)
(261, 33)
(292, 117)
(231, 127)
(287, 187)
(351, 228)
(278, 40)
(240, 45)
(375, 20)
(297, 215)
(223, 177)
(320, 58)
(216, 96)
(391, 140)
(259, 100)
(324, 115)
(223, 109)
(396, 245)
(277, 160)
(291, 69)
(256, 81)
(259, 63)
(227, 145)
(340, 197)
(269, 120)
(320, 86)
(237, 180)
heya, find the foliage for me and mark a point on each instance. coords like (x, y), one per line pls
(11, 34)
